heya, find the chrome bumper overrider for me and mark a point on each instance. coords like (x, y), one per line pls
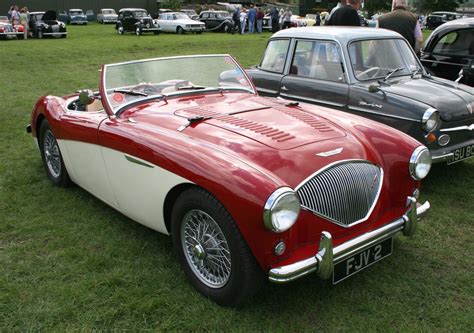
(323, 262)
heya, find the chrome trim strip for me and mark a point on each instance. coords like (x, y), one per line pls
(136, 161)
(328, 256)
(268, 91)
(441, 158)
(290, 96)
(459, 128)
(356, 108)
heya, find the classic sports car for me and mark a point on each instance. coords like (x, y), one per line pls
(373, 73)
(217, 20)
(247, 186)
(8, 31)
(450, 49)
(179, 23)
(107, 15)
(136, 20)
(45, 24)
(77, 16)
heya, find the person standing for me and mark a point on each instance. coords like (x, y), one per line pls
(346, 15)
(318, 19)
(24, 21)
(251, 16)
(287, 18)
(236, 19)
(275, 18)
(15, 16)
(260, 16)
(243, 20)
(405, 23)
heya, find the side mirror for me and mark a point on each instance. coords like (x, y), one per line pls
(373, 88)
(86, 97)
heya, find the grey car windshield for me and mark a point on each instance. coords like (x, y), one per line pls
(377, 58)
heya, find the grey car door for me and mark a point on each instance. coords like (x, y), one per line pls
(316, 74)
(267, 76)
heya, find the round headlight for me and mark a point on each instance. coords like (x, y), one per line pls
(430, 120)
(281, 210)
(420, 163)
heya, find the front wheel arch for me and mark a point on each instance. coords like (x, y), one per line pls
(170, 200)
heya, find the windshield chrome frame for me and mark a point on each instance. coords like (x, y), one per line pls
(110, 110)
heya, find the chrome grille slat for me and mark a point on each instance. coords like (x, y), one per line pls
(344, 193)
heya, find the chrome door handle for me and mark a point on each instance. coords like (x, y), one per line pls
(284, 88)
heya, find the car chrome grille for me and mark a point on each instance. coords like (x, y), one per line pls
(344, 193)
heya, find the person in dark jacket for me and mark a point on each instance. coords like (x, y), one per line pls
(405, 23)
(346, 15)
(236, 19)
(275, 19)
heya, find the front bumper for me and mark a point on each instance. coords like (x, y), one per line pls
(323, 261)
(195, 29)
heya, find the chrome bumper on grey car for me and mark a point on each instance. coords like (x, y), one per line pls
(322, 263)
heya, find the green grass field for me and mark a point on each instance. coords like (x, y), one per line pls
(69, 262)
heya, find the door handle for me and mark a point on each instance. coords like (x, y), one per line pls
(284, 88)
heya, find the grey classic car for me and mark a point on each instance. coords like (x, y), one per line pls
(373, 73)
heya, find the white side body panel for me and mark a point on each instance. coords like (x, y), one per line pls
(138, 190)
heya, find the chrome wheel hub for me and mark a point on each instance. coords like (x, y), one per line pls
(51, 154)
(205, 248)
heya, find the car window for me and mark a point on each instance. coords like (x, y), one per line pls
(318, 60)
(459, 42)
(376, 58)
(275, 55)
(205, 15)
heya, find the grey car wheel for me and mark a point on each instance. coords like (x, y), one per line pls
(120, 30)
(138, 31)
(179, 30)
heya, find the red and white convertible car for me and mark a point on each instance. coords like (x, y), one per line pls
(249, 187)
(9, 31)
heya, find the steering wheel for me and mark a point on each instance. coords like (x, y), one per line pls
(370, 70)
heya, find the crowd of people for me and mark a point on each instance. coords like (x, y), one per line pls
(19, 17)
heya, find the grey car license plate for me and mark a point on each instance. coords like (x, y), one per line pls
(461, 154)
(361, 260)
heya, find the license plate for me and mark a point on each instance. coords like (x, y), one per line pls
(461, 154)
(361, 260)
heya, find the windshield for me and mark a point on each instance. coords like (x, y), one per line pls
(181, 17)
(375, 59)
(75, 12)
(108, 12)
(140, 14)
(130, 82)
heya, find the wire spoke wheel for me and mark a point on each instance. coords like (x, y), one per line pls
(51, 154)
(205, 248)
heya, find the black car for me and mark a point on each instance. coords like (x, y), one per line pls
(450, 49)
(136, 20)
(373, 73)
(434, 21)
(218, 20)
(46, 24)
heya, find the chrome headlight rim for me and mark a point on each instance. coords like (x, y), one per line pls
(427, 118)
(420, 154)
(272, 203)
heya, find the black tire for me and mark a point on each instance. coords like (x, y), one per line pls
(156, 32)
(40, 33)
(120, 29)
(242, 277)
(138, 31)
(227, 28)
(51, 155)
(179, 30)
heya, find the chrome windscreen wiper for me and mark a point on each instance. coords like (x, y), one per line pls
(393, 71)
(131, 92)
(191, 87)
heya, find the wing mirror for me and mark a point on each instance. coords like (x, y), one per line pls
(373, 88)
(86, 96)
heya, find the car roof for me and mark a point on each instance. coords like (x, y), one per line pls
(460, 23)
(35, 13)
(132, 9)
(343, 34)
(75, 9)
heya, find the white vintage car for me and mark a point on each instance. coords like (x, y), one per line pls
(179, 23)
(107, 15)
